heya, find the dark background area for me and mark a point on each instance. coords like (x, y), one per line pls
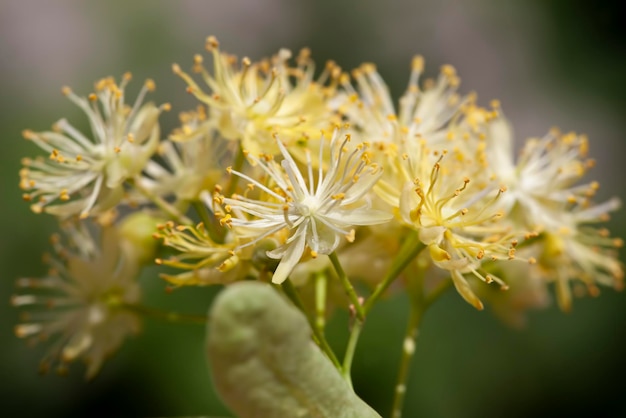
(549, 62)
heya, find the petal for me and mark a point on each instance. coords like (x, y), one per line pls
(323, 239)
(360, 216)
(290, 257)
(464, 289)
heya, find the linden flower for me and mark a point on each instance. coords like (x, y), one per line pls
(457, 218)
(81, 301)
(315, 212)
(84, 173)
(192, 159)
(434, 114)
(544, 182)
(545, 195)
(425, 111)
(254, 101)
(207, 261)
(579, 253)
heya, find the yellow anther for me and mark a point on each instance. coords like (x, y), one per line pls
(448, 70)
(511, 253)
(226, 220)
(417, 64)
(212, 42)
(150, 84)
(28, 134)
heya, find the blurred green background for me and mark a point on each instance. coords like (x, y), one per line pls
(549, 62)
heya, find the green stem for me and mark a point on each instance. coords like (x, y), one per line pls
(410, 249)
(237, 164)
(408, 350)
(320, 338)
(350, 349)
(162, 204)
(320, 302)
(347, 285)
(206, 215)
(167, 315)
(420, 302)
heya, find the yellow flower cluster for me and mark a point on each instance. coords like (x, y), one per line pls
(280, 173)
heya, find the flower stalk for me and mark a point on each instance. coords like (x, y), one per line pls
(292, 293)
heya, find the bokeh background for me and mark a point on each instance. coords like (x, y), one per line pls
(549, 62)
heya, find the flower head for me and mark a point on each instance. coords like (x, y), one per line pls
(448, 197)
(81, 300)
(544, 182)
(578, 253)
(252, 101)
(84, 173)
(426, 109)
(206, 262)
(457, 217)
(314, 209)
(192, 159)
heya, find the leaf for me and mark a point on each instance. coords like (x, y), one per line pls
(265, 364)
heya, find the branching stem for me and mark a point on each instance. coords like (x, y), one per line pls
(410, 249)
(347, 285)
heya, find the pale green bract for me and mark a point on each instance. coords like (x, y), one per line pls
(264, 363)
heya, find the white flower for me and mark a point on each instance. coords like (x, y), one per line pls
(252, 101)
(315, 212)
(81, 300)
(457, 217)
(544, 182)
(448, 197)
(546, 195)
(578, 253)
(191, 160)
(84, 173)
(425, 110)
(206, 261)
